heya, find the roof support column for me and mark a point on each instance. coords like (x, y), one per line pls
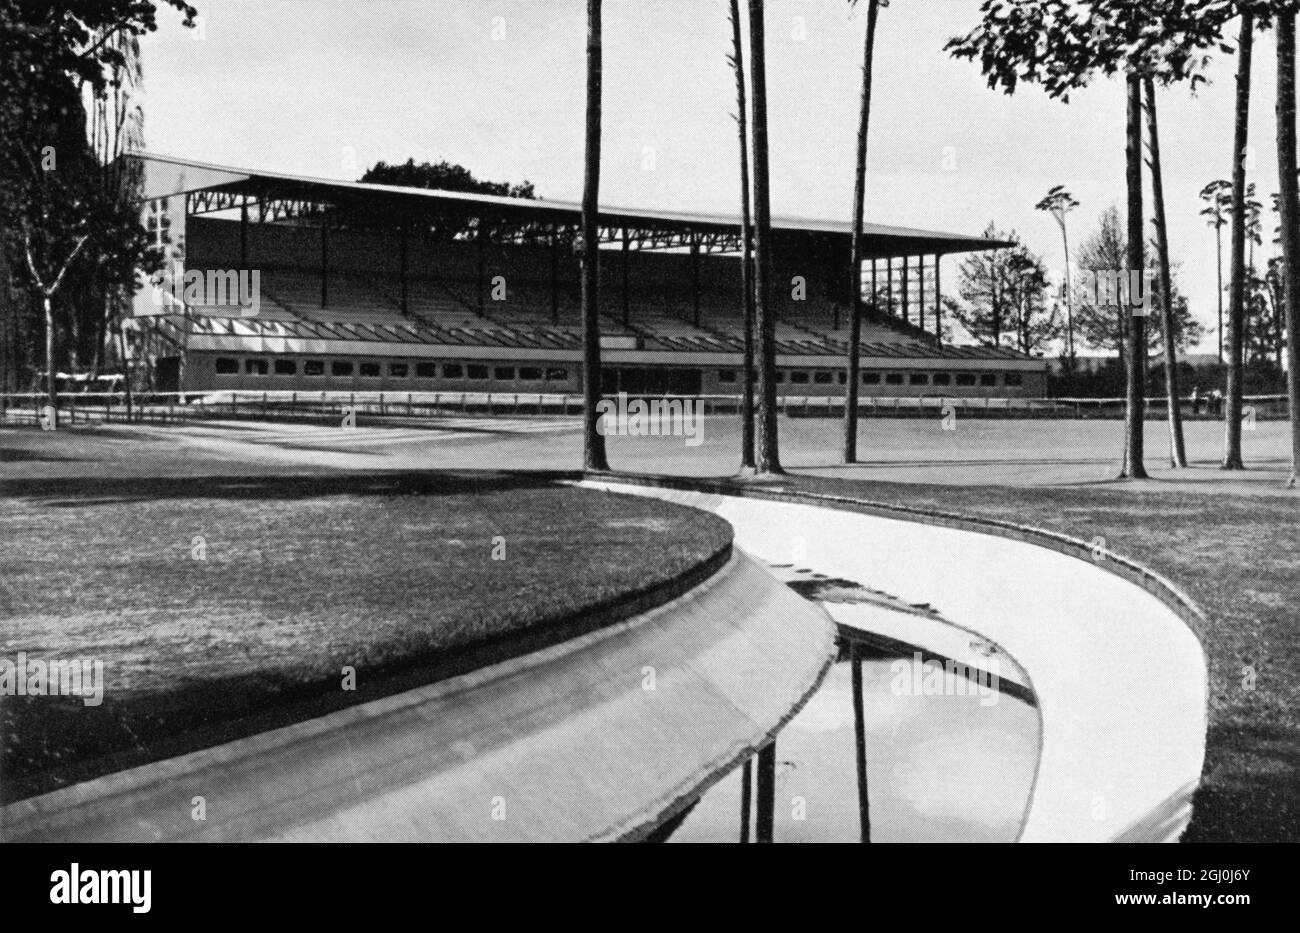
(243, 234)
(920, 291)
(873, 286)
(555, 273)
(695, 277)
(479, 247)
(938, 323)
(406, 236)
(907, 301)
(324, 260)
(889, 285)
(627, 299)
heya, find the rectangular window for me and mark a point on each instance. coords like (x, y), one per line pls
(894, 379)
(965, 379)
(871, 379)
(557, 375)
(823, 377)
(370, 370)
(843, 378)
(286, 368)
(988, 379)
(255, 367)
(942, 379)
(726, 375)
(1013, 379)
(399, 370)
(798, 377)
(780, 376)
(918, 379)
(313, 368)
(453, 371)
(504, 374)
(477, 371)
(227, 366)
(530, 374)
(340, 368)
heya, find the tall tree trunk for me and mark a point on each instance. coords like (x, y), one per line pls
(1289, 209)
(593, 441)
(1135, 409)
(8, 330)
(1218, 269)
(51, 387)
(1237, 296)
(1177, 450)
(747, 243)
(1069, 299)
(768, 452)
(855, 248)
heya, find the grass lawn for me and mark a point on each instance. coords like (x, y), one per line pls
(1239, 558)
(222, 607)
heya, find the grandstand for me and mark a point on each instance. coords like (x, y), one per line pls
(368, 287)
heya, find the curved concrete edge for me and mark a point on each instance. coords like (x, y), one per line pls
(600, 737)
(1121, 678)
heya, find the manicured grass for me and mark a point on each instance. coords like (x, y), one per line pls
(1238, 557)
(225, 606)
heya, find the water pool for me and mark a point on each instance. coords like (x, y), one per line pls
(954, 767)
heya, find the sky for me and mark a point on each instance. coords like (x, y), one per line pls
(328, 87)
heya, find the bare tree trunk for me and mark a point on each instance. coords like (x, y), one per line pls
(8, 330)
(747, 242)
(1135, 409)
(1237, 296)
(1289, 209)
(51, 388)
(1218, 269)
(126, 370)
(855, 249)
(593, 441)
(1177, 450)
(768, 452)
(1069, 299)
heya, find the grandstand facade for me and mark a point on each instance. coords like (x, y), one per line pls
(371, 288)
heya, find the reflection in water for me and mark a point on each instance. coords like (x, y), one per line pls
(860, 743)
(940, 768)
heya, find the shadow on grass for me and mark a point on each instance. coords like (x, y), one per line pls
(81, 491)
(21, 455)
(1251, 793)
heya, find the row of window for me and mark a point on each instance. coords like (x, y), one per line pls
(831, 377)
(478, 372)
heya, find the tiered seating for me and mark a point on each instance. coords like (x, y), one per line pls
(439, 312)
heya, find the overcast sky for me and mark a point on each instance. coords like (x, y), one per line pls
(327, 87)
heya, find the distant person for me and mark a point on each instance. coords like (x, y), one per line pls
(1196, 400)
(1216, 401)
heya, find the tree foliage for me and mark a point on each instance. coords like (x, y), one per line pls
(1004, 297)
(65, 211)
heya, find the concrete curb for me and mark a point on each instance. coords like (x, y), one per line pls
(566, 738)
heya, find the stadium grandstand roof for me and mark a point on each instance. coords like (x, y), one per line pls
(226, 186)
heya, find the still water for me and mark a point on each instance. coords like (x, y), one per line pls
(955, 767)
